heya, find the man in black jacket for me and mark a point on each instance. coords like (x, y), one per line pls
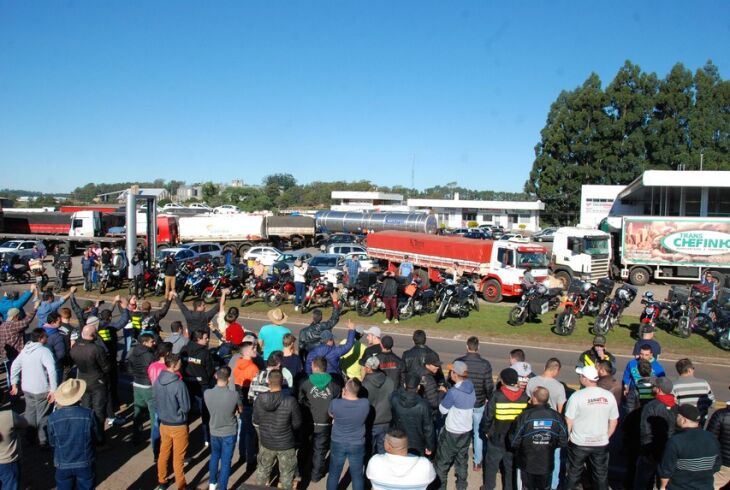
(276, 417)
(315, 394)
(140, 358)
(480, 374)
(198, 372)
(719, 425)
(534, 437)
(392, 365)
(150, 321)
(309, 337)
(432, 389)
(658, 421)
(412, 415)
(415, 356)
(92, 362)
(377, 387)
(198, 319)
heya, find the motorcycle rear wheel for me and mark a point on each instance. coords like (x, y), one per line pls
(683, 328)
(517, 316)
(405, 312)
(366, 309)
(24, 277)
(565, 323)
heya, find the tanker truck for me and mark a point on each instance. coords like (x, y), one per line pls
(352, 222)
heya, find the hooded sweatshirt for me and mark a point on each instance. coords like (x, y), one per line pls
(391, 472)
(38, 368)
(316, 393)
(276, 416)
(379, 387)
(458, 406)
(412, 415)
(171, 399)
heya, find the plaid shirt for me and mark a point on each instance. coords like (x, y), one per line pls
(11, 336)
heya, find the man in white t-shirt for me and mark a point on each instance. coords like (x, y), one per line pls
(591, 416)
(398, 469)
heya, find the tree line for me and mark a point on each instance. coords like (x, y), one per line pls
(638, 122)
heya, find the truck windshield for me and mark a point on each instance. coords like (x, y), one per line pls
(596, 245)
(534, 259)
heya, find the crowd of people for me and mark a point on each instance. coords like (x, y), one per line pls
(298, 409)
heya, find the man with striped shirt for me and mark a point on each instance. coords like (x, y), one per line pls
(691, 390)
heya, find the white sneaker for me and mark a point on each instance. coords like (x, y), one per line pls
(212, 486)
(386, 321)
(207, 444)
(396, 321)
(109, 421)
(296, 308)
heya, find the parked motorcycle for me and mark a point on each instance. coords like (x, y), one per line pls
(716, 322)
(597, 295)
(255, 288)
(318, 293)
(652, 313)
(194, 284)
(417, 301)
(574, 305)
(282, 290)
(457, 299)
(536, 300)
(104, 278)
(17, 271)
(371, 302)
(613, 308)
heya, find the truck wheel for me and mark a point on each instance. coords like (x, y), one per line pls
(564, 277)
(639, 276)
(296, 242)
(232, 247)
(242, 249)
(719, 276)
(492, 291)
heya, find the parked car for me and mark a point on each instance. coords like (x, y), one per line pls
(326, 262)
(170, 206)
(459, 231)
(478, 235)
(201, 206)
(204, 249)
(337, 238)
(226, 209)
(179, 254)
(344, 249)
(267, 255)
(511, 236)
(22, 248)
(290, 257)
(545, 235)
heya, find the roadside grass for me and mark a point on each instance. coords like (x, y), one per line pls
(490, 324)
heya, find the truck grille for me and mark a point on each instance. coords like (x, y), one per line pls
(599, 268)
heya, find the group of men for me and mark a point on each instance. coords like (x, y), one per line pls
(312, 404)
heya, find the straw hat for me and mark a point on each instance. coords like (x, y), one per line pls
(70, 391)
(277, 316)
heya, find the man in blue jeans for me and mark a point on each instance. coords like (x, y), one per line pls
(10, 424)
(72, 431)
(349, 414)
(223, 405)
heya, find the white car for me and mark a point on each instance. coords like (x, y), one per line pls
(366, 263)
(511, 236)
(344, 249)
(226, 209)
(267, 255)
(22, 248)
(171, 206)
(204, 249)
(200, 205)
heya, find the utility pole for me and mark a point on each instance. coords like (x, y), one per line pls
(702, 159)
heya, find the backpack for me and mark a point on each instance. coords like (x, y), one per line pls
(260, 384)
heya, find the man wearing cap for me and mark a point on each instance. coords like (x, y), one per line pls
(596, 353)
(647, 338)
(72, 431)
(330, 351)
(658, 420)
(50, 303)
(412, 415)
(12, 336)
(692, 455)
(372, 335)
(271, 335)
(378, 388)
(719, 426)
(518, 362)
(433, 389)
(94, 368)
(84, 309)
(12, 299)
(454, 440)
(391, 364)
(591, 415)
(502, 410)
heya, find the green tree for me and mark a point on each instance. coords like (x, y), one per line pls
(709, 126)
(45, 200)
(210, 193)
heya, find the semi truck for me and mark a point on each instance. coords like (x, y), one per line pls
(355, 222)
(239, 232)
(669, 248)
(497, 266)
(580, 253)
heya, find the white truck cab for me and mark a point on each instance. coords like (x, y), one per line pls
(86, 224)
(580, 253)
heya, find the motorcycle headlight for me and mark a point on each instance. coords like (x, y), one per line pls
(524, 296)
(649, 310)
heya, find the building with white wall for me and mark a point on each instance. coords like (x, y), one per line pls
(596, 202)
(457, 213)
(358, 201)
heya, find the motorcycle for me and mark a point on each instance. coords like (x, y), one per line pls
(18, 271)
(194, 284)
(715, 321)
(613, 308)
(652, 314)
(675, 317)
(217, 284)
(457, 299)
(255, 288)
(574, 305)
(419, 302)
(104, 278)
(282, 290)
(597, 295)
(371, 302)
(318, 294)
(159, 284)
(536, 300)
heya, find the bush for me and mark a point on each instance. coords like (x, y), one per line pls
(472, 224)
(522, 226)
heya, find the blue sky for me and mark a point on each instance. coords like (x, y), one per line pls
(136, 90)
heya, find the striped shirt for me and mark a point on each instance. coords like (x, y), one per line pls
(694, 391)
(690, 459)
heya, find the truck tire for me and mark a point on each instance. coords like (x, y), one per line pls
(492, 291)
(639, 276)
(232, 247)
(243, 248)
(296, 242)
(564, 277)
(719, 276)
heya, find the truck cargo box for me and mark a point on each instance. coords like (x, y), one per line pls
(421, 244)
(222, 227)
(285, 226)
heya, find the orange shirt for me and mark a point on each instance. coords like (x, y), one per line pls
(244, 372)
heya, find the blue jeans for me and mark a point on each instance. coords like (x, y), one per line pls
(354, 454)
(555, 480)
(299, 288)
(247, 436)
(378, 441)
(476, 419)
(155, 436)
(78, 478)
(9, 476)
(221, 449)
(128, 336)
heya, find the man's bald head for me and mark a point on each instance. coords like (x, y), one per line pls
(540, 396)
(88, 332)
(396, 442)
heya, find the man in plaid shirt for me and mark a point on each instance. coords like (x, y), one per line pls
(11, 336)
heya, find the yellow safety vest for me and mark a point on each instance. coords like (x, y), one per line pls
(509, 411)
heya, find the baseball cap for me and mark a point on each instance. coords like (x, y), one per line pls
(326, 336)
(92, 320)
(599, 340)
(588, 372)
(372, 362)
(432, 358)
(460, 368)
(86, 304)
(665, 384)
(509, 377)
(387, 341)
(690, 412)
(373, 331)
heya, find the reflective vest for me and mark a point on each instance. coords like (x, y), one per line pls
(136, 320)
(107, 333)
(503, 412)
(588, 359)
(509, 411)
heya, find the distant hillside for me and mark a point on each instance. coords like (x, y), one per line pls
(21, 192)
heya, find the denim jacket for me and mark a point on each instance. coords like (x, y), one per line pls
(72, 432)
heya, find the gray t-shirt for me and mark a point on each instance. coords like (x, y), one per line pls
(221, 403)
(555, 387)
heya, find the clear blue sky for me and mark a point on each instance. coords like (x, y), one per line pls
(136, 90)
